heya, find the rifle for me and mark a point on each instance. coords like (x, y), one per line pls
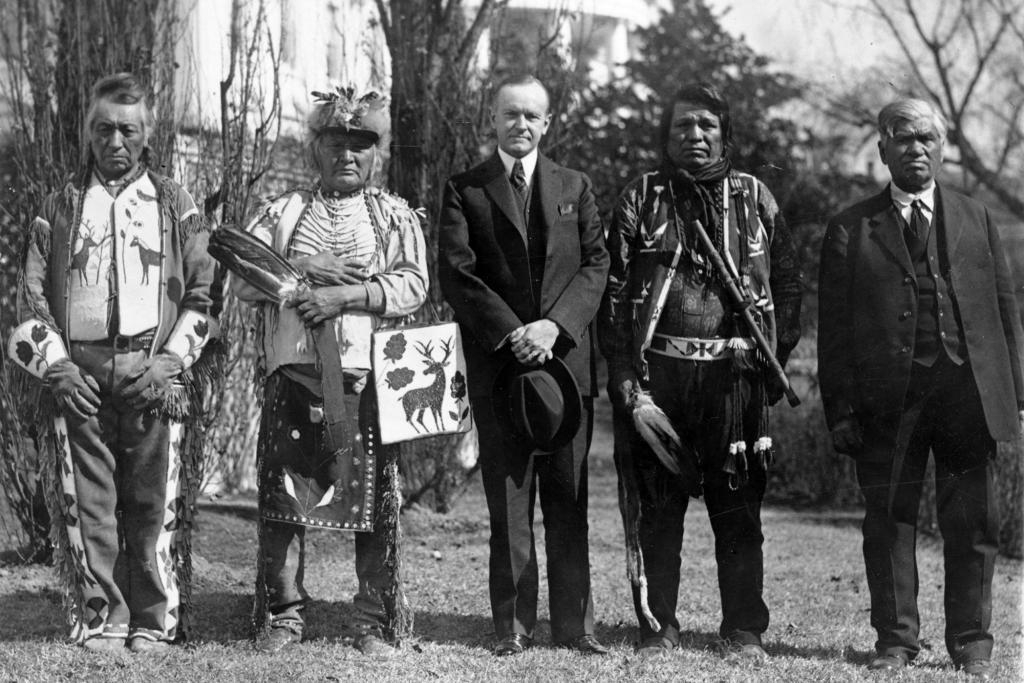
(743, 302)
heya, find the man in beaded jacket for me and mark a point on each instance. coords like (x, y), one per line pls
(319, 458)
(117, 301)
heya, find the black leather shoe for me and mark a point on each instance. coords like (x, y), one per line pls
(888, 663)
(586, 644)
(978, 668)
(512, 644)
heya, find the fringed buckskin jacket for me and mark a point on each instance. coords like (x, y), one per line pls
(188, 301)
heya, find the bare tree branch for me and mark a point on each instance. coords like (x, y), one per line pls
(890, 22)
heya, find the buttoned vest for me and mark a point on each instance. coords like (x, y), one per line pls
(938, 328)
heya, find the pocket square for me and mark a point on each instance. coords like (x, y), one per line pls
(566, 208)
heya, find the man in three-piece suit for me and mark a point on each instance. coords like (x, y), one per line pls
(523, 265)
(920, 349)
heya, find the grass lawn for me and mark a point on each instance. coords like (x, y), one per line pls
(814, 586)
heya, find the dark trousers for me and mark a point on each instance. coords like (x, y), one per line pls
(698, 399)
(511, 477)
(125, 484)
(942, 414)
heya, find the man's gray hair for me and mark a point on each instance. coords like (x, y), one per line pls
(909, 109)
(121, 88)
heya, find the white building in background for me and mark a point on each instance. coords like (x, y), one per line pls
(324, 43)
(320, 44)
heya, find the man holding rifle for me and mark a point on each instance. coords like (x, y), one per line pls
(690, 377)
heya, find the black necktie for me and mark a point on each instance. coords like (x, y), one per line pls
(918, 221)
(518, 179)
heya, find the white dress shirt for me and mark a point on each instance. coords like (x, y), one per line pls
(529, 164)
(903, 199)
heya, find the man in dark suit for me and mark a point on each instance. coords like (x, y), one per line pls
(523, 265)
(920, 349)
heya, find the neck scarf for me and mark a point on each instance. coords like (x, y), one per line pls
(700, 193)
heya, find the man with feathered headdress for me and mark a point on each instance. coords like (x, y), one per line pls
(116, 306)
(361, 253)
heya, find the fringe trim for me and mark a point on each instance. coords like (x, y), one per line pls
(40, 233)
(186, 406)
(764, 448)
(200, 380)
(736, 464)
(192, 226)
(71, 578)
(190, 478)
(35, 405)
(398, 612)
(260, 617)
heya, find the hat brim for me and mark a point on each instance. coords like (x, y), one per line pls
(573, 402)
(364, 133)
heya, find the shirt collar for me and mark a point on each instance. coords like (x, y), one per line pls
(903, 199)
(138, 179)
(529, 163)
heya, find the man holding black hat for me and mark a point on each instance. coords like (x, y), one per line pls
(523, 265)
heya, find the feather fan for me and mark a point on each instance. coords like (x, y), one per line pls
(255, 262)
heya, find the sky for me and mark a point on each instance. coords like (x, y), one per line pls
(819, 39)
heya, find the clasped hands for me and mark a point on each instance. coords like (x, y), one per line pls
(531, 343)
(338, 285)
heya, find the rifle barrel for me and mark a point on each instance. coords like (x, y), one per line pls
(743, 303)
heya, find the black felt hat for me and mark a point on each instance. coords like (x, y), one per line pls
(541, 404)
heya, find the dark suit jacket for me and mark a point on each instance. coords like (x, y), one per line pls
(484, 266)
(868, 308)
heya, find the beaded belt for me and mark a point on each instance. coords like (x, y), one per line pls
(688, 348)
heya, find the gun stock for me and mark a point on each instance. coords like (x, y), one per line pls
(743, 305)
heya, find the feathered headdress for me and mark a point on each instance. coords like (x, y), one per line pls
(346, 111)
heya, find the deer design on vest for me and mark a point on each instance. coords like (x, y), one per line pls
(147, 257)
(431, 396)
(80, 259)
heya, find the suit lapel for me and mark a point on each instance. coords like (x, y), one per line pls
(947, 210)
(499, 190)
(887, 229)
(548, 184)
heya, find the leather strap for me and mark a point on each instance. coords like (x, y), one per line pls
(332, 382)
